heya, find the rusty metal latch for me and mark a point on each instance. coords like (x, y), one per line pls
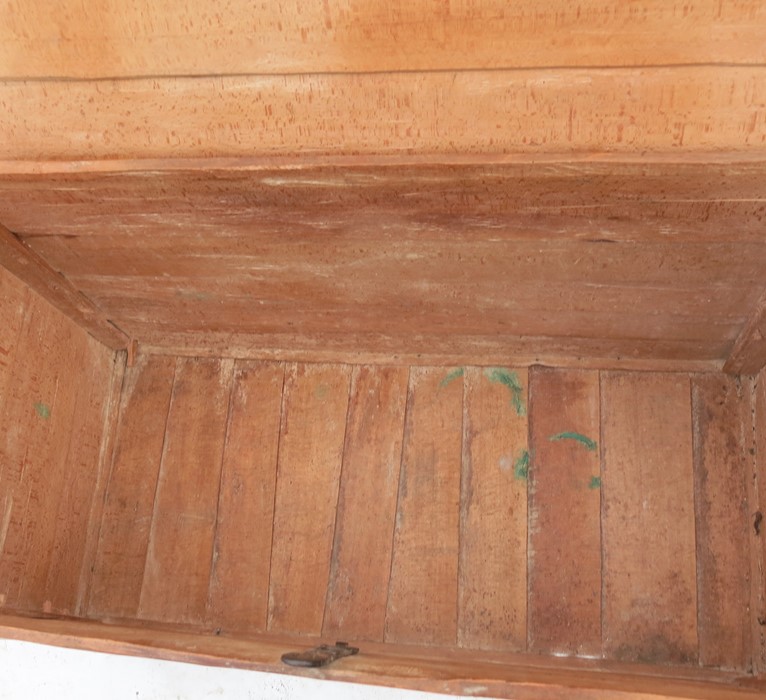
(319, 656)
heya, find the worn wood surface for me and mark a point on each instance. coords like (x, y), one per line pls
(126, 39)
(756, 494)
(564, 513)
(649, 566)
(493, 509)
(545, 110)
(35, 272)
(516, 676)
(748, 356)
(722, 426)
(180, 549)
(423, 595)
(239, 583)
(433, 552)
(123, 536)
(105, 462)
(357, 592)
(542, 259)
(54, 385)
(315, 407)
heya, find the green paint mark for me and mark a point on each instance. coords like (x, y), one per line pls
(521, 468)
(511, 380)
(579, 437)
(595, 482)
(451, 377)
(43, 410)
(321, 391)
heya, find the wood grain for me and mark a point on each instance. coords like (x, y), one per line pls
(239, 585)
(99, 498)
(423, 593)
(179, 554)
(133, 38)
(38, 274)
(756, 495)
(748, 356)
(722, 435)
(361, 558)
(440, 350)
(53, 387)
(646, 198)
(492, 582)
(314, 412)
(564, 512)
(503, 676)
(118, 569)
(552, 110)
(649, 568)
(469, 286)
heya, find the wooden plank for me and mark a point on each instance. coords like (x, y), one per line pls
(137, 38)
(42, 278)
(564, 513)
(40, 416)
(492, 582)
(180, 550)
(105, 462)
(422, 597)
(82, 477)
(118, 568)
(444, 350)
(580, 110)
(14, 300)
(514, 676)
(315, 404)
(604, 198)
(692, 293)
(748, 356)
(53, 388)
(361, 558)
(239, 584)
(649, 568)
(722, 427)
(756, 496)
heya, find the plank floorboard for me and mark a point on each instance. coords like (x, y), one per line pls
(315, 406)
(423, 591)
(492, 594)
(649, 563)
(564, 513)
(179, 555)
(361, 558)
(239, 585)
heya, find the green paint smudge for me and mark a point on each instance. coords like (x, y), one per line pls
(579, 437)
(511, 380)
(43, 410)
(595, 482)
(521, 467)
(451, 377)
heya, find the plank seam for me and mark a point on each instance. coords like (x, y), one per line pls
(87, 568)
(353, 376)
(402, 476)
(224, 445)
(282, 403)
(157, 487)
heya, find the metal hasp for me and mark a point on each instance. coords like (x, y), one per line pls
(319, 656)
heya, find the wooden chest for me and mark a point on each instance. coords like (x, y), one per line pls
(435, 328)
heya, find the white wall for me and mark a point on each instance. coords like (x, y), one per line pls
(39, 672)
